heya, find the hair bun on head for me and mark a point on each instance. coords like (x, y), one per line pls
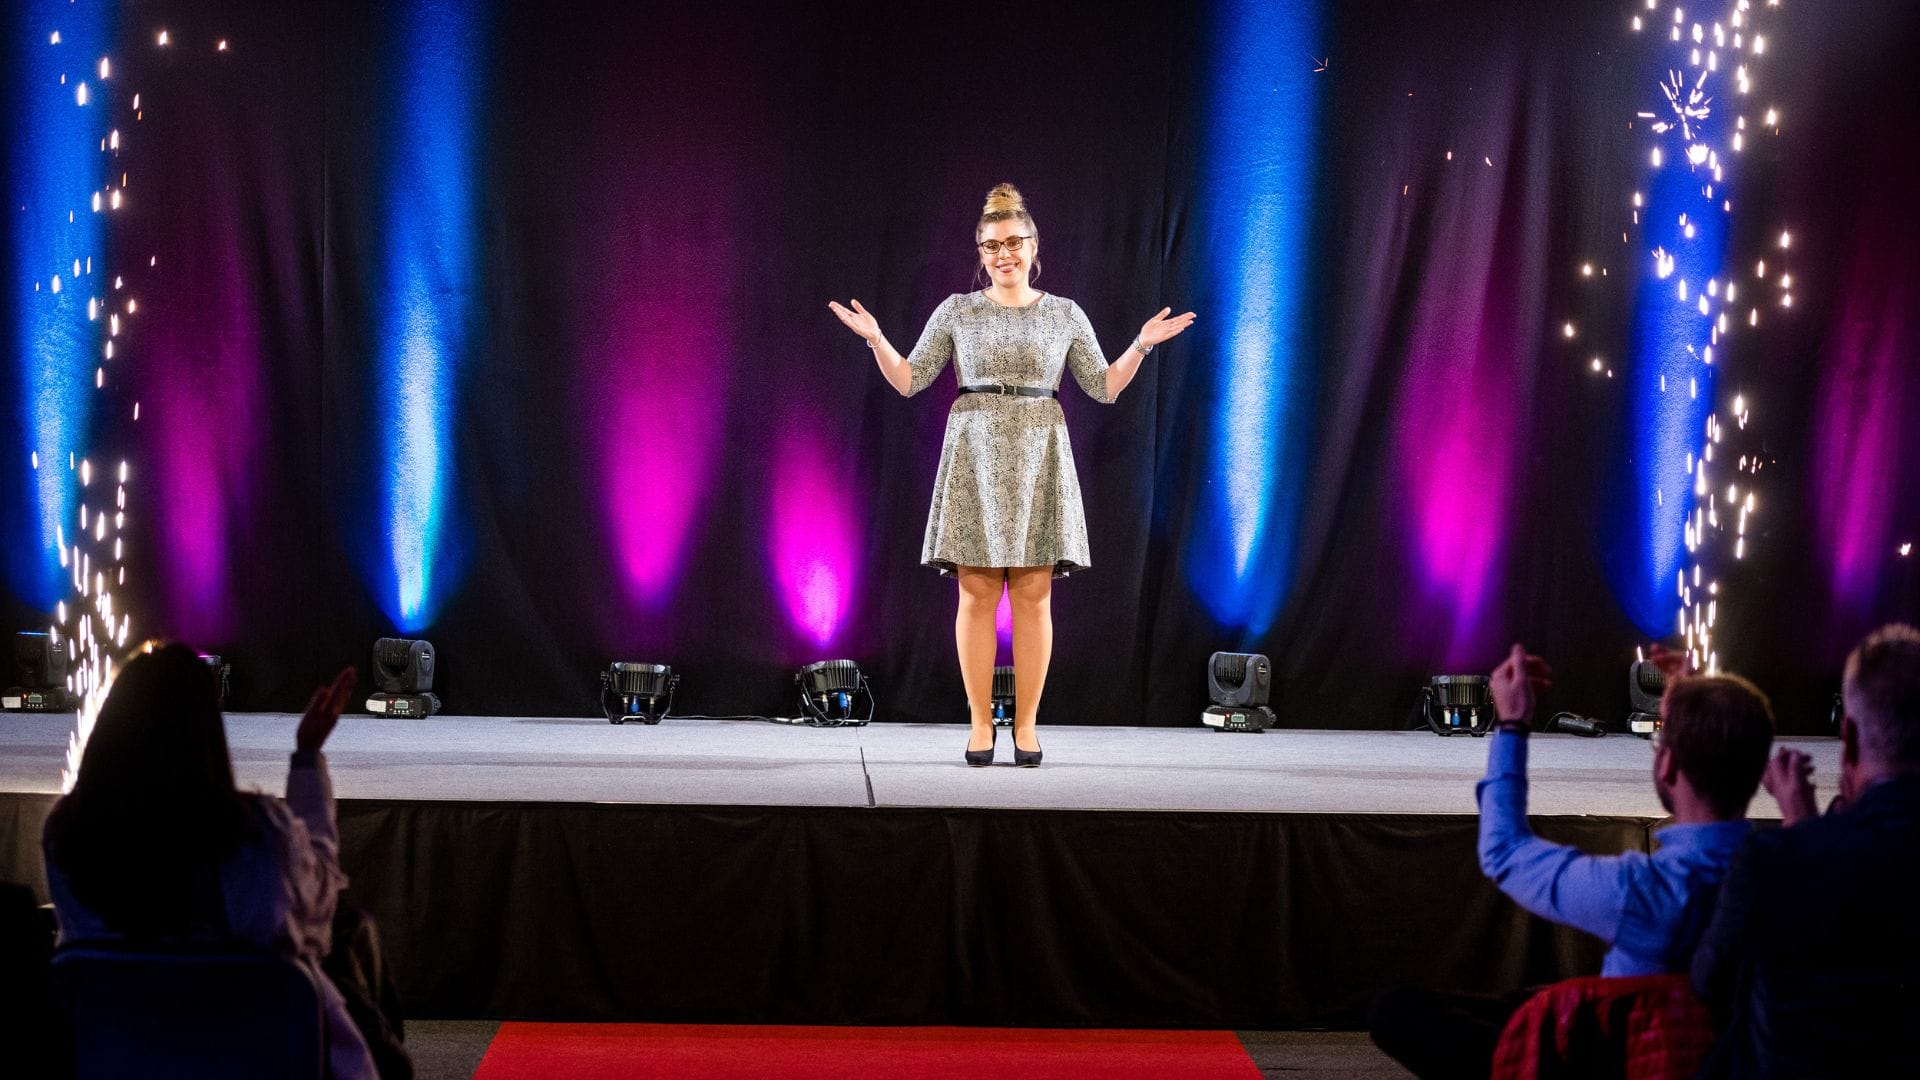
(1004, 199)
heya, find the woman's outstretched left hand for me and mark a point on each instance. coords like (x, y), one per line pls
(1164, 326)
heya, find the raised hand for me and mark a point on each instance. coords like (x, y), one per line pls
(1515, 682)
(1789, 779)
(859, 320)
(1163, 326)
(323, 711)
(1671, 662)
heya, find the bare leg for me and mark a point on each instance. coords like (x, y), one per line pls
(976, 642)
(1030, 591)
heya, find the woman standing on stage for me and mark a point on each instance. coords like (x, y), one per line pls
(1006, 501)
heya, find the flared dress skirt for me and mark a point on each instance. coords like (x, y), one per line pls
(1006, 493)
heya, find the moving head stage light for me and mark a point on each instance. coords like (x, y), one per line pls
(830, 692)
(222, 676)
(1458, 703)
(639, 692)
(1239, 684)
(403, 670)
(39, 672)
(1646, 684)
(1003, 696)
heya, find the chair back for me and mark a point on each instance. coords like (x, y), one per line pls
(1646, 1027)
(190, 1013)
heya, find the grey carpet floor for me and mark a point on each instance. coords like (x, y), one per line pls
(717, 762)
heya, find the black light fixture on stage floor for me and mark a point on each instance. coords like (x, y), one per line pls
(39, 675)
(641, 693)
(1239, 684)
(1003, 696)
(222, 676)
(831, 692)
(1458, 703)
(1646, 684)
(403, 670)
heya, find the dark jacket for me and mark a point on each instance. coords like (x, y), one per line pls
(1812, 960)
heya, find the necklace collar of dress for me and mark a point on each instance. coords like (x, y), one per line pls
(1010, 307)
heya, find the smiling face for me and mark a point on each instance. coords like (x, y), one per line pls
(1009, 268)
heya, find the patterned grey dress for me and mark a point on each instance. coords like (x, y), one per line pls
(1006, 493)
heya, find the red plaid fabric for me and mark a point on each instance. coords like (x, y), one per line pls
(1648, 1027)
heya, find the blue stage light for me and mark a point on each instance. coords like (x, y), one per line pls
(1257, 188)
(54, 167)
(1673, 385)
(428, 304)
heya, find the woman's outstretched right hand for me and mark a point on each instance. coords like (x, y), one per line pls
(859, 320)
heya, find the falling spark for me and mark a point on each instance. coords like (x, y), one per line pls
(95, 626)
(1701, 140)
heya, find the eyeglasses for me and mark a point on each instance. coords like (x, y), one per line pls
(1011, 243)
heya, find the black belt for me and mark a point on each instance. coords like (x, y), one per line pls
(1011, 391)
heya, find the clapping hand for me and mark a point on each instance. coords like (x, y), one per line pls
(859, 320)
(1515, 682)
(1789, 779)
(323, 711)
(1673, 664)
(1162, 327)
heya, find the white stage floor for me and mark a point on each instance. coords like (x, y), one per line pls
(745, 763)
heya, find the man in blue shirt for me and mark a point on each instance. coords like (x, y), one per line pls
(1651, 910)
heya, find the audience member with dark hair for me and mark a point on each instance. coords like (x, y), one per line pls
(155, 843)
(1812, 960)
(1649, 909)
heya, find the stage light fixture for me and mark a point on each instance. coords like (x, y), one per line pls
(831, 692)
(1239, 684)
(403, 670)
(641, 693)
(1646, 684)
(222, 676)
(1454, 703)
(1003, 696)
(39, 666)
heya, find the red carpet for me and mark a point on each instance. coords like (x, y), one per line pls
(698, 1052)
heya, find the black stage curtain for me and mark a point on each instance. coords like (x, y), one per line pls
(878, 916)
(688, 185)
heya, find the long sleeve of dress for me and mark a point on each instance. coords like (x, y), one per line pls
(935, 348)
(1085, 360)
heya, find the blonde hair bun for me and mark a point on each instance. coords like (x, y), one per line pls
(1004, 201)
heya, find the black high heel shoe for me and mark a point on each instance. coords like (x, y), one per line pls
(981, 758)
(1026, 759)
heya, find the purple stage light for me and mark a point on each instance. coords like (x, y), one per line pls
(1458, 430)
(658, 423)
(1857, 445)
(1003, 625)
(814, 536)
(206, 404)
